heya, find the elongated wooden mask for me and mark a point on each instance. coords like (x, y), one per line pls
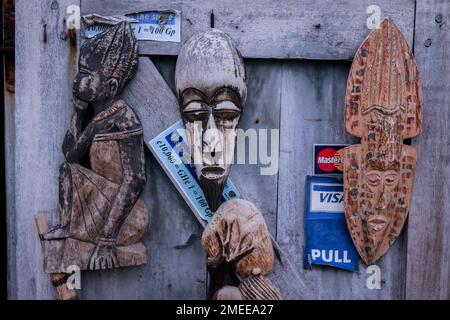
(382, 107)
(211, 87)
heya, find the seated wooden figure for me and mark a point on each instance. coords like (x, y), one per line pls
(102, 216)
(211, 86)
(382, 107)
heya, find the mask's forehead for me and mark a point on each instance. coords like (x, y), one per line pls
(209, 61)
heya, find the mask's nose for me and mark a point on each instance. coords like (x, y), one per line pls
(382, 199)
(212, 142)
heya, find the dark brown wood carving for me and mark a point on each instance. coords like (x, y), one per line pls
(211, 86)
(382, 107)
(102, 218)
(237, 242)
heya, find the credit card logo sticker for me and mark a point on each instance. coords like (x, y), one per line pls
(327, 198)
(328, 158)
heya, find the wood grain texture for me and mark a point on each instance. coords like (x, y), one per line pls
(270, 29)
(262, 111)
(102, 216)
(312, 112)
(236, 240)
(177, 265)
(41, 115)
(10, 190)
(383, 106)
(428, 259)
(62, 292)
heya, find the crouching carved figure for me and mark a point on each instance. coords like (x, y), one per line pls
(237, 242)
(102, 216)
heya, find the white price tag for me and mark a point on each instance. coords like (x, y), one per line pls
(156, 25)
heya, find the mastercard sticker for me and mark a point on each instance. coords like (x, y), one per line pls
(328, 158)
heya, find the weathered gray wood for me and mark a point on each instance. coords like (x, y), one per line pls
(262, 111)
(62, 291)
(10, 189)
(283, 271)
(302, 29)
(428, 259)
(177, 265)
(312, 112)
(44, 73)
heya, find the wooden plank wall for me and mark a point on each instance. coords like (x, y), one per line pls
(312, 112)
(428, 263)
(291, 29)
(304, 99)
(45, 67)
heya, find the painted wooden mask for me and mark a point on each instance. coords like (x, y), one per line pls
(211, 86)
(382, 107)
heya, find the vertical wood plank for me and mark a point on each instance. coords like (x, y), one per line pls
(45, 67)
(428, 258)
(312, 112)
(262, 111)
(10, 190)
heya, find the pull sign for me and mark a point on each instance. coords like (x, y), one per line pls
(327, 239)
(158, 25)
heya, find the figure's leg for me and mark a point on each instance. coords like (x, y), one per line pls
(61, 231)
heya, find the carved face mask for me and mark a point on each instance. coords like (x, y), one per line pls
(211, 87)
(383, 107)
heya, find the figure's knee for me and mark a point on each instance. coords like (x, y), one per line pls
(65, 172)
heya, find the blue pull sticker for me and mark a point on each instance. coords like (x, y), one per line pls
(327, 239)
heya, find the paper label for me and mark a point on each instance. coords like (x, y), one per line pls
(172, 152)
(158, 25)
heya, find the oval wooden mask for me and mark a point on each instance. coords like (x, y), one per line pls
(382, 107)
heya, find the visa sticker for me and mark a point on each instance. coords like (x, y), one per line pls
(328, 241)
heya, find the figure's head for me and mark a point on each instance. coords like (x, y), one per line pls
(211, 86)
(106, 63)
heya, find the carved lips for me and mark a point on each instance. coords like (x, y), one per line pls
(382, 107)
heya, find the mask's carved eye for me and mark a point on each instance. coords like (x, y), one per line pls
(195, 111)
(226, 110)
(390, 177)
(373, 178)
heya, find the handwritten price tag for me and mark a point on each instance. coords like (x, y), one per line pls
(162, 25)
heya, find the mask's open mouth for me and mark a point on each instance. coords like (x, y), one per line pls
(213, 172)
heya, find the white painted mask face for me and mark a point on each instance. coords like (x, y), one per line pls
(210, 81)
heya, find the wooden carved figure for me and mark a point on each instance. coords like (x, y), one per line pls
(211, 86)
(102, 216)
(382, 107)
(237, 242)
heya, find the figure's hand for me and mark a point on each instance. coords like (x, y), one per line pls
(79, 105)
(104, 257)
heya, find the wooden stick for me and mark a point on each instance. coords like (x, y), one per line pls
(58, 279)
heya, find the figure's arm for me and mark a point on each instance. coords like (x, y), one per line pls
(76, 142)
(134, 178)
